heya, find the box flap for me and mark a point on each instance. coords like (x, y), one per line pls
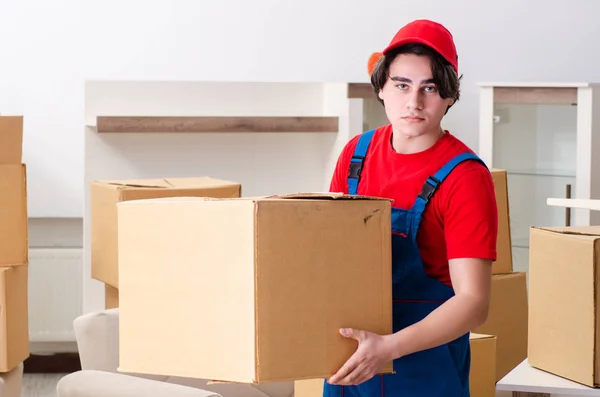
(11, 139)
(475, 336)
(290, 196)
(593, 231)
(155, 183)
(172, 183)
(324, 196)
(175, 199)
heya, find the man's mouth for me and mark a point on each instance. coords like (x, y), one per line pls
(413, 118)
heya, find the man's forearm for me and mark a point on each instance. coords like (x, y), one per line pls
(454, 318)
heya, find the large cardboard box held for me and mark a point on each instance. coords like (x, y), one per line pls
(503, 263)
(564, 302)
(251, 290)
(14, 320)
(507, 320)
(11, 140)
(482, 377)
(106, 194)
(13, 215)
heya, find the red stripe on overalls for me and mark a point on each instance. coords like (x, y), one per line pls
(400, 234)
(416, 300)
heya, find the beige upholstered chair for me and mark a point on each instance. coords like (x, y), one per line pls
(97, 337)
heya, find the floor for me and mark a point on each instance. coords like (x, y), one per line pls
(44, 385)
(40, 385)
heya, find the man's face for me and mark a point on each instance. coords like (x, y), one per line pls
(411, 99)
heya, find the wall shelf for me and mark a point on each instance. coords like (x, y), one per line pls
(203, 124)
(536, 95)
(560, 94)
(360, 90)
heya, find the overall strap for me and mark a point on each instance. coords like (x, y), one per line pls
(433, 182)
(357, 160)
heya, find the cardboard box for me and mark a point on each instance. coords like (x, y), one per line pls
(564, 337)
(111, 297)
(309, 388)
(503, 263)
(507, 320)
(251, 290)
(482, 378)
(106, 194)
(14, 318)
(13, 215)
(11, 140)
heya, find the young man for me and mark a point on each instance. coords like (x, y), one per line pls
(444, 224)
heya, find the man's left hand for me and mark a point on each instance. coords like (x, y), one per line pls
(373, 353)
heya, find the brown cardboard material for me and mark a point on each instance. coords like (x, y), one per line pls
(507, 320)
(14, 319)
(482, 377)
(309, 388)
(13, 215)
(11, 140)
(251, 290)
(564, 337)
(111, 297)
(503, 263)
(106, 194)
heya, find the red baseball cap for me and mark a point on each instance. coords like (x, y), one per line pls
(429, 33)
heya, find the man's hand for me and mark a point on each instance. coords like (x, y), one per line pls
(373, 353)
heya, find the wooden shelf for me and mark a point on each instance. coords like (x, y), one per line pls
(199, 124)
(537, 95)
(361, 90)
(503, 94)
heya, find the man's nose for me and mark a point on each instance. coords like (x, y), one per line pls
(415, 100)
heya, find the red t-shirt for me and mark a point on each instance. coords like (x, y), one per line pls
(461, 219)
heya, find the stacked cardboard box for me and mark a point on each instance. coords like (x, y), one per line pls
(251, 290)
(104, 198)
(507, 318)
(564, 293)
(482, 382)
(14, 325)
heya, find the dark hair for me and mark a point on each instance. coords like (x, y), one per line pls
(444, 76)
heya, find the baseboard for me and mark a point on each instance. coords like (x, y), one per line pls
(52, 363)
(44, 348)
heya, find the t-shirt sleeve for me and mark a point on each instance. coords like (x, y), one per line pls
(471, 214)
(339, 180)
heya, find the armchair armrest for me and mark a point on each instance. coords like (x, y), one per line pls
(92, 383)
(97, 336)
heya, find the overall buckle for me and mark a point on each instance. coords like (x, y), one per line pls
(355, 167)
(429, 188)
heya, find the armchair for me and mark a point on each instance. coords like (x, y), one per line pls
(97, 336)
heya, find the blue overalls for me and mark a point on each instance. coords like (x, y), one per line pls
(439, 372)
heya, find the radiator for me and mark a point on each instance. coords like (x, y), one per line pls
(55, 293)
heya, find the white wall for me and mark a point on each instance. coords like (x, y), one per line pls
(41, 77)
(50, 48)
